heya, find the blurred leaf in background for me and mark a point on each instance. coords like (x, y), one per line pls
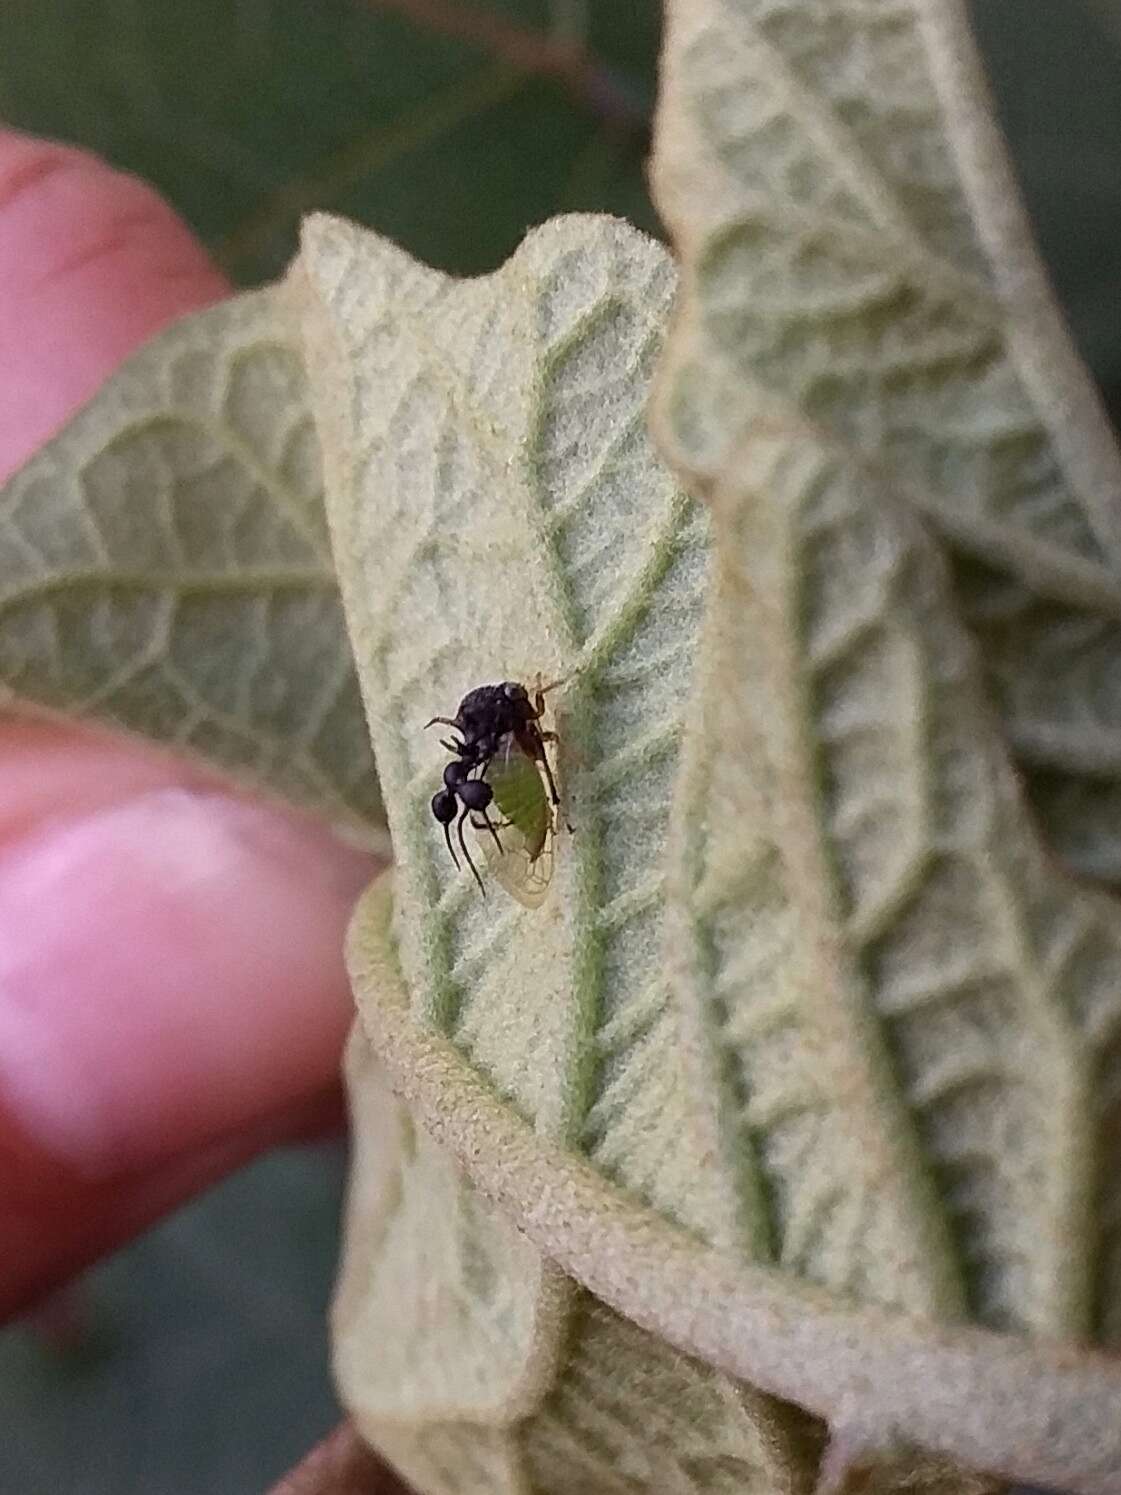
(1055, 68)
(452, 126)
(199, 1354)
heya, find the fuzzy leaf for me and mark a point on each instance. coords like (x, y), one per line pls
(164, 565)
(851, 241)
(422, 1343)
(494, 473)
(497, 511)
(921, 1014)
(884, 1381)
(1055, 671)
(438, 1297)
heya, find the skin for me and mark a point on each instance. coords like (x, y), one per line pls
(172, 995)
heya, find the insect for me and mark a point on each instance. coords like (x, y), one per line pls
(500, 764)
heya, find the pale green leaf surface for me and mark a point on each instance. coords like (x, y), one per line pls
(443, 1290)
(604, 1406)
(165, 567)
(1055, 672)
(908, 953)
(887, 1383)
(852, 242)
(914, 1004)
(831, 256)
(628, 1414)
(496, 512)
(497, 481)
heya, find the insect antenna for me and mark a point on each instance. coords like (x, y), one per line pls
(463, 848)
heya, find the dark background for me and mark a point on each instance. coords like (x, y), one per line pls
(196, 1360)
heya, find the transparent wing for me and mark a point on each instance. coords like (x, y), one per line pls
(524, 824)
(524, 877)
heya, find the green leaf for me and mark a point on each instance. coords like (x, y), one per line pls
(882, 1380)
(1056, 675)
(497, 512)
(165, 568)
(441, 1368)
(921, 1015)
(248, 116)
(443, 1312)
(886, 832)
(487, 462)
(861, 1030)
(852, 244)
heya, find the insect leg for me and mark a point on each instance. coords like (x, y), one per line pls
(551, 737)
(447, 721)
(549, 775)
(503, 825)
(541, 691)
(448, 839)
(490, 825)
(466, 853)
(531, 740)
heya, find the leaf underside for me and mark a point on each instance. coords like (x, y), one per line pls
(521, 525)
(916, 1017)
(479, 1366)
(908, 1402)
(165, 567)
(880, 1023)
(852, 247)
(808, 1008)
(909, 1017)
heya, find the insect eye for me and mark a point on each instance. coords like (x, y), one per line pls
(513, 690)
(443, 806)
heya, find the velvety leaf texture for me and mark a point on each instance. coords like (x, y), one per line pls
(857, 1027)
(165, 567)
(771, 1152)
(487, 457)
(908, 1401)
(902, 991)
(852, 242)
(873, 1044)
(496, 475)
(486, 1400)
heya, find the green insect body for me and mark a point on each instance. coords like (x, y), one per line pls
(524, 866)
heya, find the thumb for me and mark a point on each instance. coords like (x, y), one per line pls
(172, 994)
(92, 263)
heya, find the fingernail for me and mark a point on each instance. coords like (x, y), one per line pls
(170, 968)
